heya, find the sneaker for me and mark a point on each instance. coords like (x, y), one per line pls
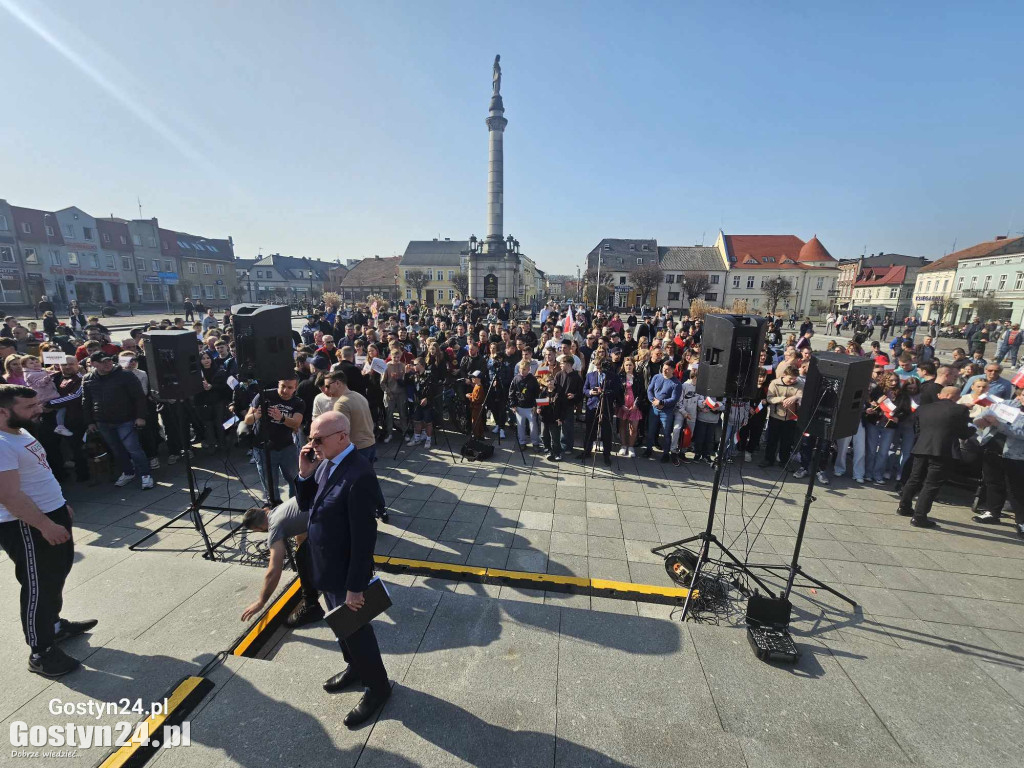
(632, 453)
(859, 480)
(878, 481)
(1020, 530)
(675, 460)
(411, 440)
(426, 442)
(173, 458)
(986, 519)
(923, 522)
(554, 457)
(52, 662)
(305, 613)
(623, 451)
(496, 428)
(63, 431)
(123, 480)
(147, 482)
(154, 463)
(501, 434)
(73, 628)
(747, 456)
(388, 439)
(800, 474)
(822, 477)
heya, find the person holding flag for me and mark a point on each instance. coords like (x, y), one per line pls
(881, 418)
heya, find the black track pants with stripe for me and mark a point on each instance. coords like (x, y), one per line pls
(41, 569)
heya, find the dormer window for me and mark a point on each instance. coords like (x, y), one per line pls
(632, 246)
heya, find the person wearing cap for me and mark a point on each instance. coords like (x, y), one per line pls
(114, 405)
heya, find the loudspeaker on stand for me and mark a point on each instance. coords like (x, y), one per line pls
(730, 358)
(263, 340)
(172, 361)
(834, 393)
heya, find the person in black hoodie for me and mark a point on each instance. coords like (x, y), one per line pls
(523, 397)
(211, 402)
(114, 404)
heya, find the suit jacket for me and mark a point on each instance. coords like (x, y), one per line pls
(940, 423)
(930, 392)
(342, 525)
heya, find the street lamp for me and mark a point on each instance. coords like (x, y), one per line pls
(309, 266)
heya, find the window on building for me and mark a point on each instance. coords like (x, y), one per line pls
(223, 289)
(197, 292)
(1002, 282)
(106, 237)
(126, 264)
(72, 258)
(1019, 281)
(714, 279)
(140, 265)
(152, 243)
(167, 266)
(6, 254)
(110, 262)
(69, 230)
(735, 281)
(26, 228)
(87, 233)
(94, 259)
(220, 269)
(193, 271)
(710, 297)
(988, 282)
(55, 258)
(156, 265)
(440, 275)
(408, 293)
(960, 284)
(764, 282)
(647, 247)
(50, 232)
(821, 283)
(208, 292)
(670, 279)
(640, 260)
(894, 293)
(974, 281)
(207, 270)
(750, 282)
(3, 223)
(632, 246)
(927, 286)
(673, 295)
(451, 277)
(622, 280)
(137, 240)
(124, 240)
(768, 260)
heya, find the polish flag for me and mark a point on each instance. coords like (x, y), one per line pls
(888, 406)
(569, 322)
(988, 399)
(710, 402)
(1018, 380)
(913, 406)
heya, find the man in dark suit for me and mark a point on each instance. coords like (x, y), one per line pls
(935, 380)
(339, 489)
(940, 423)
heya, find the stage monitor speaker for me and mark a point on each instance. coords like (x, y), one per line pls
(263, 341)
(172, 363)
(840, 383)
(731, 350)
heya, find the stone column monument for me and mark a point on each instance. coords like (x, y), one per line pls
(494, 267)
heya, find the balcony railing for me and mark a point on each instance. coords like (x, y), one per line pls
(976, 293)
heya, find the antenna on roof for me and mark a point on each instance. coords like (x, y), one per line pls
(702, 236)
(139, 201)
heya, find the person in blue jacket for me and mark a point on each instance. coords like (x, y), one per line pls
(663, 392)
(602, 383)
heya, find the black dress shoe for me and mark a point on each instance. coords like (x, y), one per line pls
(341, 681)
(382, 515)
(923, 522)
(367, 706)
(904, 512)
(73, 628)
(305, 613)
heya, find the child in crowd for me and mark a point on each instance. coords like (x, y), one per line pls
(524, 399)
(476, 404)
(783, 396)
(708, 418)
(422, 387)
(42, 382)
(739, 414)
(686, 417)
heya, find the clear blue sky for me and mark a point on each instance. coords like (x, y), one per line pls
(346, 129)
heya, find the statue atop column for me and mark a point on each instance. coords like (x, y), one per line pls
(496, 77)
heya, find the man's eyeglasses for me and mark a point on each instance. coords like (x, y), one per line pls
(320, 440)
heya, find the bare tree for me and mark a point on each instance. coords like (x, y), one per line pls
(646, 279)
(776, 289)
(695, 285)
(460, 282)
(942, 307)
(987, 308)
(590, 281)
(416, 279)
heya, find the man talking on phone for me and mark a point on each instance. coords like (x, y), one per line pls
(338, 488)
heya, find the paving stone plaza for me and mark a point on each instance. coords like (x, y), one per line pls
(928, 671)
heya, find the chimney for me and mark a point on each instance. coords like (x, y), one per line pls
(376, 256)
(1000, 237)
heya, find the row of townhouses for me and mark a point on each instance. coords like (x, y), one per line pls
(68, 255)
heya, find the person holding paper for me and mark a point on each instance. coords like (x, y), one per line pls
(997, 385)
(338, 488)
(1003, 464)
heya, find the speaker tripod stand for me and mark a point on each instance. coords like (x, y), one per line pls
(196, 500)
(707, 538)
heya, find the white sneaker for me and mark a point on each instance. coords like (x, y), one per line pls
(822, 477)
(800, 474)
(859, 480)
(426, 442)
(623, 451)
(154, 463)
(747, 456)
(123, 480)
(632, 453)
(411, 440)
(147, 482)
(62, 430)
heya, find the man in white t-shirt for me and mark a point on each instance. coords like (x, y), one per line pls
(35, 532)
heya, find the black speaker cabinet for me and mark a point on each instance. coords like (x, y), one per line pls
(731, 348)
(172, 362)
(263, 340)
(834, 394)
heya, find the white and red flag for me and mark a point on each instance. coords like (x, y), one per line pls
(570, 323)
(888, 406)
